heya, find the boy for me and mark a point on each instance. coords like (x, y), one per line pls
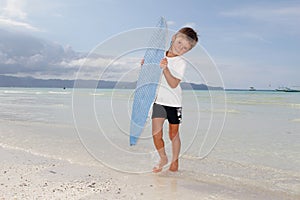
(168, 102)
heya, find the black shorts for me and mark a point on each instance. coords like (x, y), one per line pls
(173, 114)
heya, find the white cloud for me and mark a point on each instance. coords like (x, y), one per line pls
(90, 62)
(237, 73)
(25, 55)
(264, 12)
(274, 14)
(14, 9)
(109, 68)
(261, 23)
(257, 37)
(171, 23)
(18, 24)
(190, 24)
(13, 15)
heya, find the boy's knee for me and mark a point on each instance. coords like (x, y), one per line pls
(157, 136)
(173, 135)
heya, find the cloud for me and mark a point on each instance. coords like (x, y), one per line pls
(285, 16)
(171, 23)
(13, 16)
(25, 55)
(14, 9)
(254, 36)
(106, 67)
(266, 12)
(237, 73)
(190, 24)
(12, 23)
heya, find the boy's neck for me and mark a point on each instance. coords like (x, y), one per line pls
(170, 54)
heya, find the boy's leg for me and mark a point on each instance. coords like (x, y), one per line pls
(176, 145)
(157, 133)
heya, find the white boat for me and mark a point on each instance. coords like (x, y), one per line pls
(287, 89)
(252, 89)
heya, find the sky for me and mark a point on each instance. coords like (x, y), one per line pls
(253, 43)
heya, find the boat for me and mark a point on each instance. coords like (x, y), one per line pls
(287, 89)
(252, 89)
(291, 90)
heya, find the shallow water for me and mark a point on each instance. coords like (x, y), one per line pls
(257, 134)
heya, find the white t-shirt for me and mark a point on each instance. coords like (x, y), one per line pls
(171, 96)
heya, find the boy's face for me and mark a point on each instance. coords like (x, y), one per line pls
(180, 45)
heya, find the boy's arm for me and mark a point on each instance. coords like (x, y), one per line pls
(172, 81)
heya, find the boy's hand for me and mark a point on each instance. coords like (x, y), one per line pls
(163, 63)
(142, 61)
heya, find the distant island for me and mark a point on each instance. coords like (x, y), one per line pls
(12, 81)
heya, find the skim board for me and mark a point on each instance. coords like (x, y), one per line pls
(148, 81)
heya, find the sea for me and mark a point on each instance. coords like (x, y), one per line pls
(238, 138)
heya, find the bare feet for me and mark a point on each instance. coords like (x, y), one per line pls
(174, 166)
(163, 161)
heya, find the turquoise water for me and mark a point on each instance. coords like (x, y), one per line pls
(257, 134)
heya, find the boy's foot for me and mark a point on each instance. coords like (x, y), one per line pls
(174, 166)
(159, 167)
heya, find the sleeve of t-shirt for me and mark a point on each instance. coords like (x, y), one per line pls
(178, 69)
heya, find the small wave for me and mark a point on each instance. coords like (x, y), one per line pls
(97, 94)
(190, 157)
(22, 92)
(53, 92)
(14, 92)
(225, 172)
(296, 120)
(231, 111)
(253, 102)
(9, 147)
(295, 105)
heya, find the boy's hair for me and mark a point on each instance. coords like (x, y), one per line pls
(190, 34)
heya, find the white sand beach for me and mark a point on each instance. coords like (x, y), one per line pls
(27, 176)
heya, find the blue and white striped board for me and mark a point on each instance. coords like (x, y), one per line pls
(148, 80)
